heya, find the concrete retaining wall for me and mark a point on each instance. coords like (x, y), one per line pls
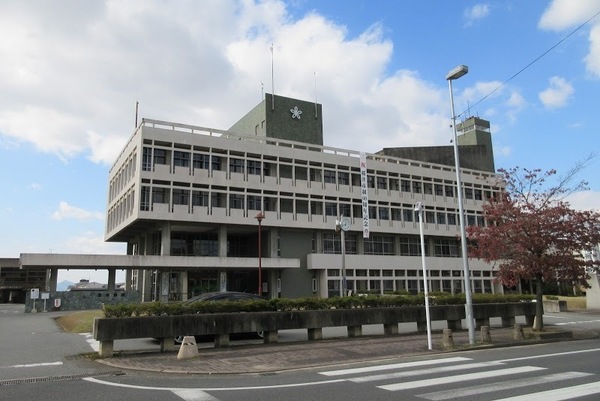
(106, 330)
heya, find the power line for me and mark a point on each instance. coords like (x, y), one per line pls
(530, 64)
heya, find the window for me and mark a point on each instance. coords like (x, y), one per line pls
(254, 202)
(449, 190)
(330, 209)
(160, 156)
(441, 218)
(147, 159)
(181, 159)
(199, 198)
(236, 201)
(384, 213)
(254, 167)
(405, 185)
(236, 165)
(159, 195)
(181, 196)
(379, 245)
(451, 219)
(407, 214)
(145, 199)
(478, 194)
(343, 178)
(430, 217)
(332, 243)
(411, 246)
(428, 188)
(439, 189)
(382, 182)
(469, 193)
(329, 176)
(201, 161)
(370, 181)
(417, 187)
(446, 247)
(345, 209)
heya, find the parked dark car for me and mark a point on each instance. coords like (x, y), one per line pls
(222, 296)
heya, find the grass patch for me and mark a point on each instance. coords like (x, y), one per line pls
(574, 303)
(79, 322)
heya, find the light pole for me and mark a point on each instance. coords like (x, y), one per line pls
(419, 210)
(260, 216)
(342, 225)
(456, 73)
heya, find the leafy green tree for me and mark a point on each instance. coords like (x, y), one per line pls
(532, 233)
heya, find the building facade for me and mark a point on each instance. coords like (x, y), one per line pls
(185, 200)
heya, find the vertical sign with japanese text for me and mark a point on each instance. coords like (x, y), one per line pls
(364, 192)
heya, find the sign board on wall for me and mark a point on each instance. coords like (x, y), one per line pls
(364, 192)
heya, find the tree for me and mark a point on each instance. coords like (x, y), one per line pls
(532, 233)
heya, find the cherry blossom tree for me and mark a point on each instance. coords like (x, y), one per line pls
(532, 233)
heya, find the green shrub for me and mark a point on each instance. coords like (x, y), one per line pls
(310, 303)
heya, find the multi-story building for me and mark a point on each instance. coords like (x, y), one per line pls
(185, 200)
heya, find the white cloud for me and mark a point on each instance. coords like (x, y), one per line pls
(475, 13)
(566, 14)
(66, 211)
(91, 243)
(557, 94)
(35, 186)
(585, 200)
(70, 78)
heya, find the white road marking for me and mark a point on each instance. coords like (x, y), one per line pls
(565, 393)
(524, 358)
(410, 373)
(393, 366)
(317, 383)
(458, 378)
(194, 395)
(500, 386)
(32, 365)
(575, 323)
(90, 340)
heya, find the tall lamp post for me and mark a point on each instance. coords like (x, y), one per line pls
(260, 216)
(456, 73)
(419, 209)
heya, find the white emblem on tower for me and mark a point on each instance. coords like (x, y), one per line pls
(296, 112)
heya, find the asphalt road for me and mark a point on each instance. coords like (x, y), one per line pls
(38, 361)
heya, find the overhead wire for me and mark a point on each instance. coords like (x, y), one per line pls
(531, 63)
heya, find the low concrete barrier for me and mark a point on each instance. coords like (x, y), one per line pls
(221, 325)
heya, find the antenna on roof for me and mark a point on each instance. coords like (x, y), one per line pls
(262, 91)
(272, 81)
(136, 113)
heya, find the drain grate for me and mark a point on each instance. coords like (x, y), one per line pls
(31, 380)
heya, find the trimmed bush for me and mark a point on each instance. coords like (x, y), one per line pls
(311, 303)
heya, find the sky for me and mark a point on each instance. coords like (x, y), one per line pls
(72, 71)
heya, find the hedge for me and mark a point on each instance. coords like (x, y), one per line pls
(312, 303)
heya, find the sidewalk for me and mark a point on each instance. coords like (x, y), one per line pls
(263, 358)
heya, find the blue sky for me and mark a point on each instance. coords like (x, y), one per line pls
(72, 71)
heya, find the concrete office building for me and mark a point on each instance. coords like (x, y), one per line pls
(185, 200)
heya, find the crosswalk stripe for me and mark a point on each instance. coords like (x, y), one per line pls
(565, 393)
(397, 375)
(393, 366)
(499, 386)
(459, 378)
(193, 395)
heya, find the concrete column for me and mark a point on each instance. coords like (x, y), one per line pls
(146, 285)
(165, 239)
(223, 241)
(128, 279)
(112, 274)
(52, 280)
(183, 285)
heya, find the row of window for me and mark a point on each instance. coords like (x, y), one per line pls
(379, 180)
(386, 245)
(240, 201)
(123, 176)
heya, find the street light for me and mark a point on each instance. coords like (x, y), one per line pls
(260, 216)
(456, 73)
(419, 209)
